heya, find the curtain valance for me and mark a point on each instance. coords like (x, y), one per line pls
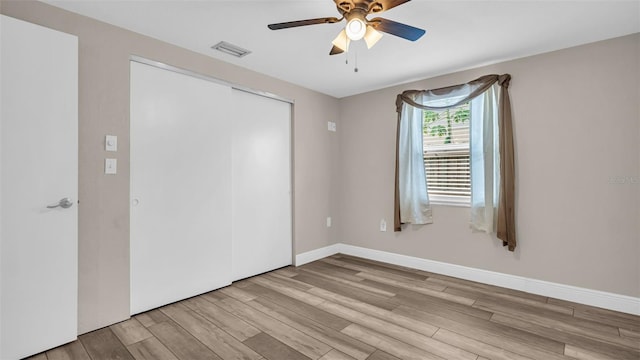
(461, 93)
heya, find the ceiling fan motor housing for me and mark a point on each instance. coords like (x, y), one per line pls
(365, 6)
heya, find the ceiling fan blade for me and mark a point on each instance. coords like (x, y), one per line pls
(335, 50)
(390, 4)
(290, 24)
(398, 29)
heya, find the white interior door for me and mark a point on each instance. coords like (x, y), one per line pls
(180, 186)
(38, 167)
(261, 162)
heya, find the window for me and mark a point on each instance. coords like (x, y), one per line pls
(446, 155)
(421, 113)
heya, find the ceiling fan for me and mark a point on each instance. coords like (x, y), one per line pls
(358, 26)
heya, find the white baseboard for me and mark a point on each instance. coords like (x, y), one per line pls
(317, 254)
(606, 300)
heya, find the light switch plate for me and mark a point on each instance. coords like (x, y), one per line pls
(111, 143)
(110, 166)
(331, 126)
(383, 225)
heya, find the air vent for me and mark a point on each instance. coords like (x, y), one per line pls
(231, 49)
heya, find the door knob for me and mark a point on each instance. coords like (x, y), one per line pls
(64, 203)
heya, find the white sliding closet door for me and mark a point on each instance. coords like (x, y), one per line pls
(262, 239)
(180, 186)
(38, 168)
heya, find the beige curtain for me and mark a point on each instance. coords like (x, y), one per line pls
(505, 230)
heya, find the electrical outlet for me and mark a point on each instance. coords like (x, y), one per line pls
(328, 221)
(383, 225)
(331, 126)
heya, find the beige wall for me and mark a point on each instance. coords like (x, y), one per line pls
(104, 109)
(576, 119)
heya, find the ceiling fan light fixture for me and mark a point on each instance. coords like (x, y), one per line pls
(356, 28)
(372, 36)
(342, 41)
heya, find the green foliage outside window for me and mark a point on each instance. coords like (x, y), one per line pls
(440, 123)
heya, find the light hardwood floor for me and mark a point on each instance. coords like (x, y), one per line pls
(343, 308)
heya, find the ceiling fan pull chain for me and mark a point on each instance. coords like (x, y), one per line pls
(355, 69)
(346, 57)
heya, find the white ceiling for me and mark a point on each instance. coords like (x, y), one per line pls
(460, 34)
